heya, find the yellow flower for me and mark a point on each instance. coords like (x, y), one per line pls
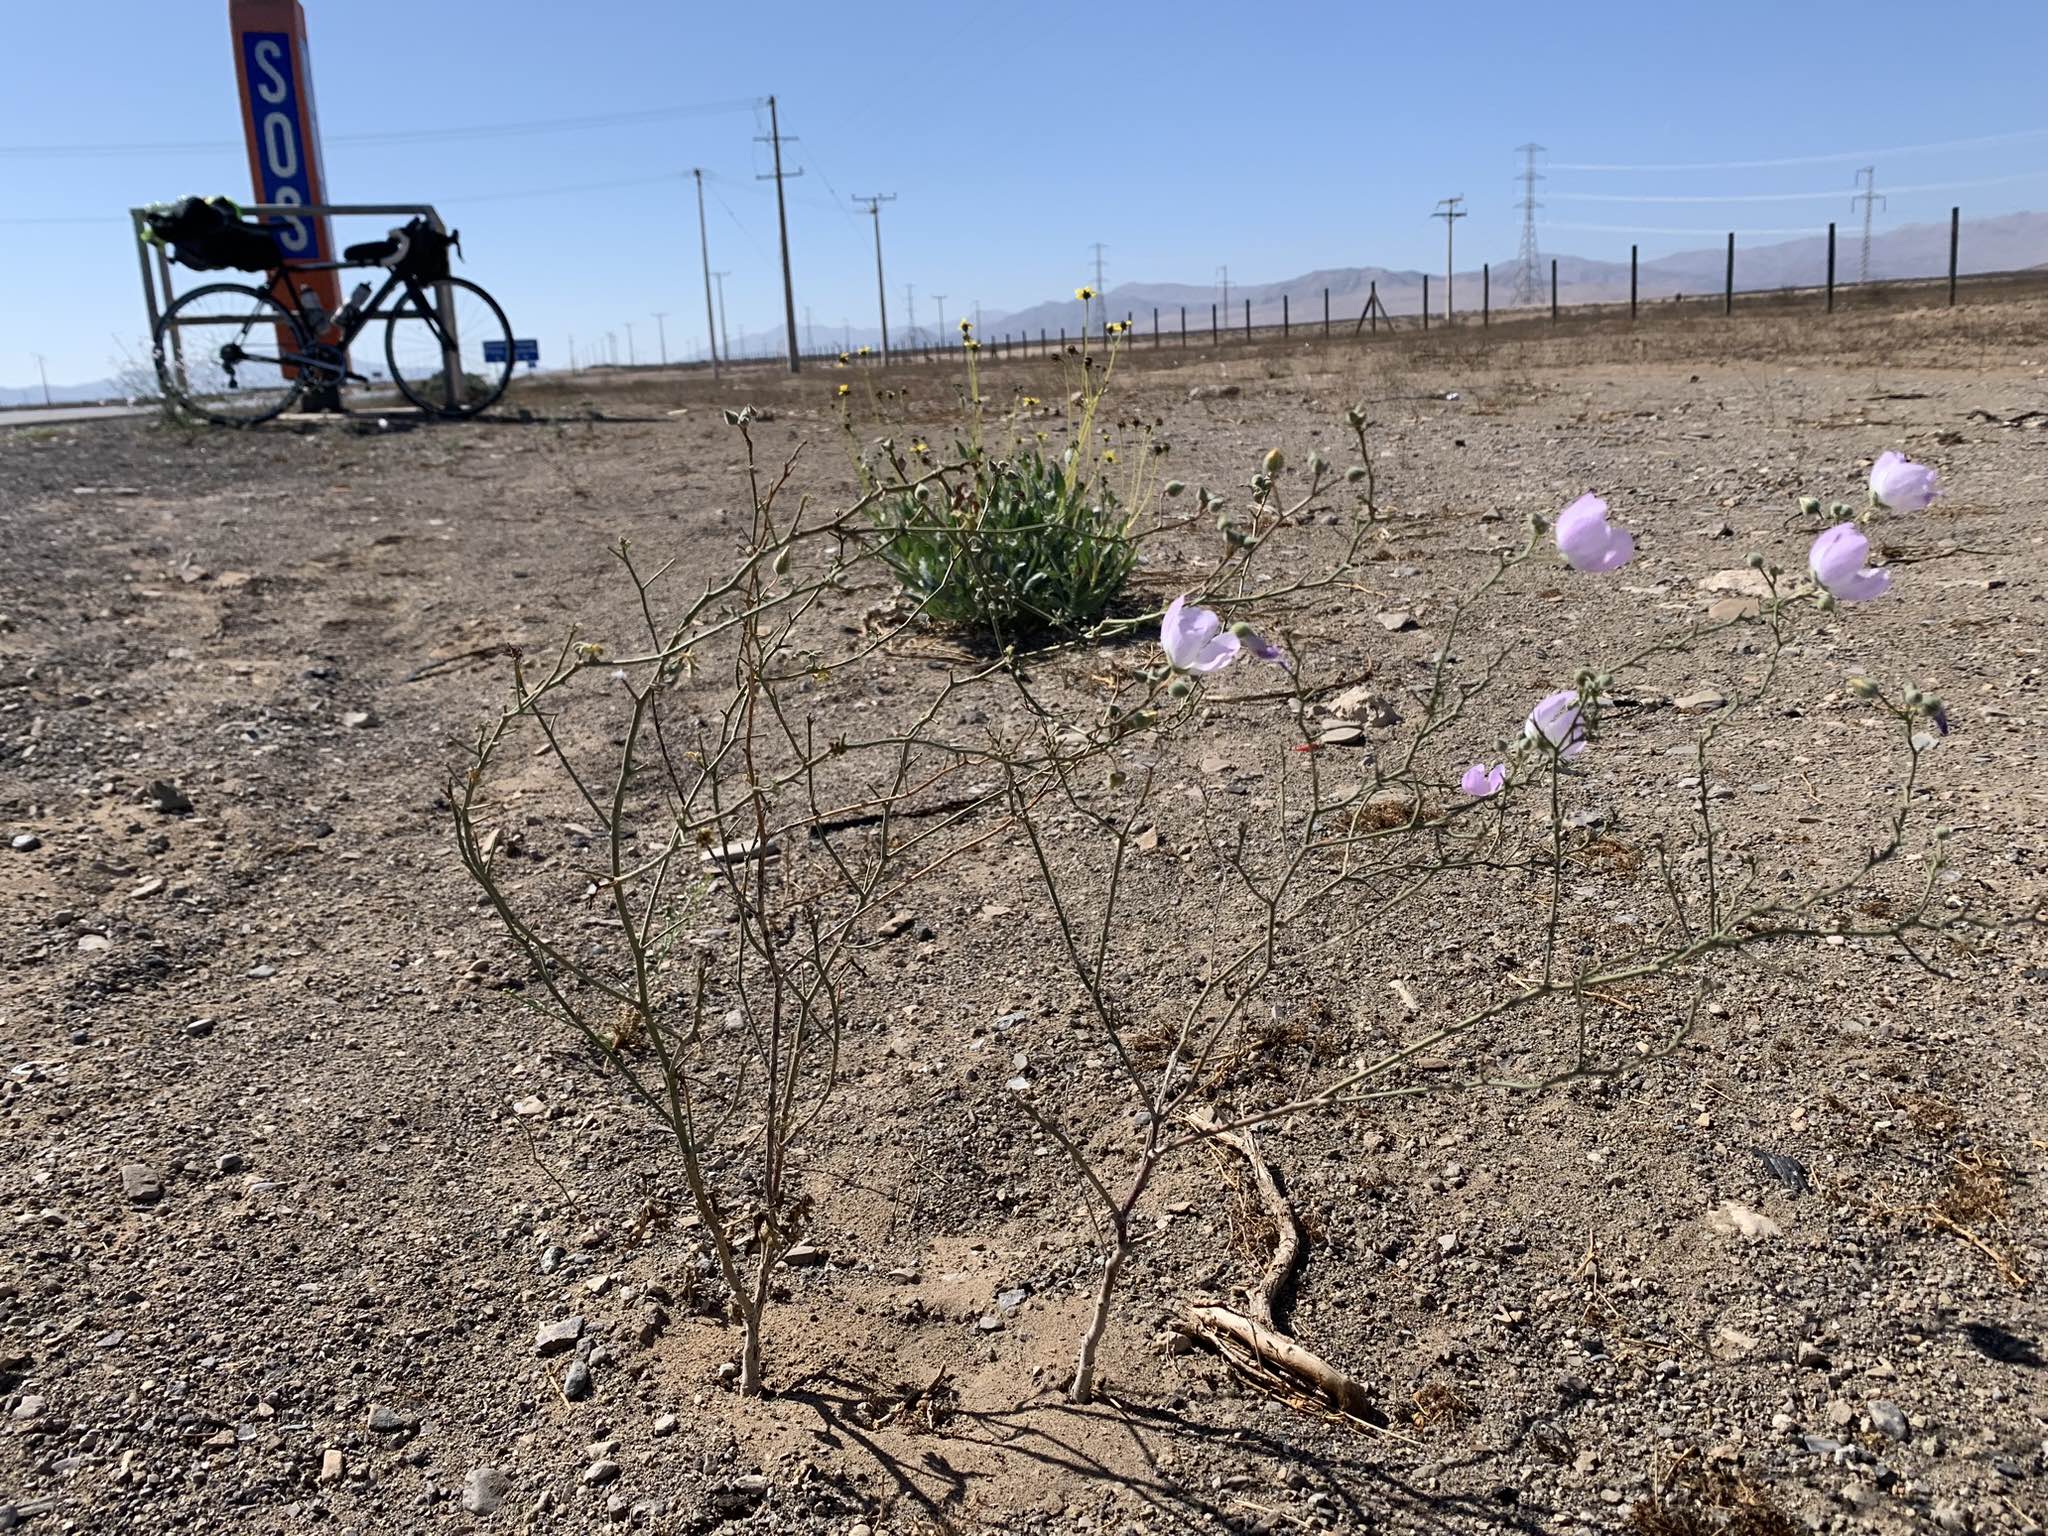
(919, 448)
(1028, 401)
(1109, 456)
(845, 390)
(842, 359)
(864, 351)
(966, 326)
(973, 345)
(1084, 294)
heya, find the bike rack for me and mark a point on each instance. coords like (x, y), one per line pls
(158, 295)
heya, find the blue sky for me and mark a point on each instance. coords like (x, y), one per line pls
(1183, 135)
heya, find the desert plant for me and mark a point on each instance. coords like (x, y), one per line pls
(1013, 549)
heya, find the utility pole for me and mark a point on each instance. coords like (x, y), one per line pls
(910, 314)
(44, 374)
(939, 335)
(977, 317)
(1224, 272)
(1529, 264)
(1098, 248)
(810, 337)
(1866, 180)
(704, 244)
(631, 360)
(724, 337)
(1448, 210)
(661, 323)
(611, 342)
(782, 219)
(572, 351)
(881, 292)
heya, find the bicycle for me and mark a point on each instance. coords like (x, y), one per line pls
(239, 355)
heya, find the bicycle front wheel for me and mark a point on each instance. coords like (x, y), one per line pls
(223, 352)
(434, 343)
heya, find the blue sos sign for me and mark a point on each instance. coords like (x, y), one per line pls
(277, 110)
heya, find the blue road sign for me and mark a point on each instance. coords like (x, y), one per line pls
(494, 352)
(525, 349)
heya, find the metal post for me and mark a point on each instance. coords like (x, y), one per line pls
(1247, 319)
(1372, 303)
(1425, 301)
(1631, 282)
(1955, 234)
(1553, 290)
(163, 272)
(1326, 312)
(1485, 294)
(1284, 317)
(1831, 266)
(1155, 326)
(704, 246)
(1728, 286)
(1215, 335)
(1183, 325)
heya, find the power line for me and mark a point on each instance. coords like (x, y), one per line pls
(1844, 155)
(1785, 197)
(398, 135)
(1659, 229)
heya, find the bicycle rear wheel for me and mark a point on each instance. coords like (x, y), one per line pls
(434, 343)
(221, 352)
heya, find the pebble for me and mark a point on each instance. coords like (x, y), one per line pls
(598, 1473)
(1887, 1419)
(1698, 703)
(168, 799)
(142, 1185)
(1395, 620)
(199, 1029)
(387, 1421)
(1813, 1357)
(804, 1256)
(484, 1490)
(26, 842)
(576, 1385)
(553, 1338)
(665, 1425)
(30, 1407)
(331, 1466)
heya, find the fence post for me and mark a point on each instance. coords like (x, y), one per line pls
(1326, 312)
(1063, 341)
(1247, 319)
(1955, 231)
(1183, 325)
(1553, 290)
(1372, 303)
(1215, 332)
(1631, 282)
(1831, 266)
(1283, 317)
(1425, 301)
(1155, 327)
(1728, 286)
(1485, 295)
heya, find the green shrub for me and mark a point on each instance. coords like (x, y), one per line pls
(1013, 551)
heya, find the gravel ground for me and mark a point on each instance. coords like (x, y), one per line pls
(283, 1255)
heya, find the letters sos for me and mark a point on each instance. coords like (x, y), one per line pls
(280, 138)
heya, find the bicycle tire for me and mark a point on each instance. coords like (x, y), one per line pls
(195, 383)
(484, 383)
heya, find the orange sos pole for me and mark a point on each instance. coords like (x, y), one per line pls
(274, 74)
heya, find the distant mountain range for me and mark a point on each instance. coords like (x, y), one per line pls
(2007, 243)
(2010, 242)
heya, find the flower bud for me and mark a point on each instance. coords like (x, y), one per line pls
(1755, 562)
(1317, 463)
(1864, 688)
(1354, 418)
(1538, 523)
(1274, 461)
(1355, 473)
(782, 561)
(1933, 705)
(1242, 630)
(1175, 487)
(1179, 688)
(1223, 523)
(1810, 505)
(1825, 603)
(1913, 698)
(1842, 509)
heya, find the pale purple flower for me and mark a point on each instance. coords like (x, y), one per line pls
(1837, 562)
(1586, 541)
(1900, 485)
(1263, 649)
(1481, 781)
(1194, 639)
(1557, 723)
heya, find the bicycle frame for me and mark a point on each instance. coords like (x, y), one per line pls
(438, 314)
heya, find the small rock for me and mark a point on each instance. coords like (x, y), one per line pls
(229, 1162)
(598, 1473)
(199, 1029)
(387, 1421)
(147, 889)
(1732, 1218)
(1888, 1420)
(553, 1338)
(1341, 734)
(1700, 703)
(30, 1407)
(576, 1383)
(804, 1256)
(26, 842)
(897, 924)
(667, 1424)
(92, 943)
(331, 1465)
(990, 1323)
(1813, 1357)
(357, 719)
(1726, 610)
(1395, 620)
(1951, 1516)
(484, 1490)
(168, 799)
(142, 1185)
(1741, 582)
(528, 1107)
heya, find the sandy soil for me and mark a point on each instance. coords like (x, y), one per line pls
(279, 1246)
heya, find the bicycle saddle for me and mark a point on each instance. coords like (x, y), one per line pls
(374, 253)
